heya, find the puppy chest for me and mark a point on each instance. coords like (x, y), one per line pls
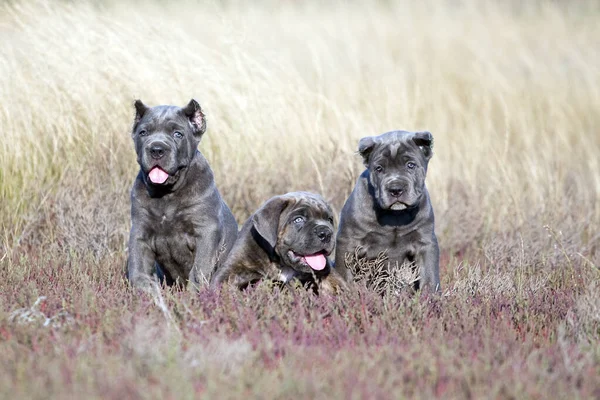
(175, 252)
(172, 224)
(396, 243)
(176, 237)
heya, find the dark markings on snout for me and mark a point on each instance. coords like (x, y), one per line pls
(389, 209)
(395, 190)
(276, 241)
(157, 150)
(324, 233)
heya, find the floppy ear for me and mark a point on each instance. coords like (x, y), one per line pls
(196, 117)
(425, 142)
(140, 110)
(365, 147)
(266, 219)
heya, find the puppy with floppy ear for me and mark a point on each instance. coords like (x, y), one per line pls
(288, 238)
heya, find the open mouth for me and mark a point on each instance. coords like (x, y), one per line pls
(398, 206)
(158, 176)
(316, 261)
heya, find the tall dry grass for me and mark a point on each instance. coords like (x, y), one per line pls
(510, 91)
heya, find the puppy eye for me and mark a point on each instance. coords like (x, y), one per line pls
(411, 165)
(330, 219)
(298, 220)
(379, 168)
(143, 133)
(178, 134)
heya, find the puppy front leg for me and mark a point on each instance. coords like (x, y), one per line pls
(429, 262)
(343, 248)
(140, 262)
(205, 258)
(240, 277)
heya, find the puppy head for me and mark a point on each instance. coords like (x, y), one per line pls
(397, 163)
(166, 139)
(299, 228)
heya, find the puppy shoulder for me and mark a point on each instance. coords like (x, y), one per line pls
(139, 196)
(200, 168)
(360, 199)
(138, 183)
(361, 190)
(246, 252)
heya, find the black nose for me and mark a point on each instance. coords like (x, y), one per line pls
(157, 151)
(323, 233)
(395, 191)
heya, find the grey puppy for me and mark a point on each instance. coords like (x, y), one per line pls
(389, 209)
(288, 238)
(181, 227)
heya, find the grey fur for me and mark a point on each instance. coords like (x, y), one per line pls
(389, 210)
(180, 229)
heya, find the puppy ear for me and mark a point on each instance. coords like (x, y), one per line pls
(425, 142)
(140, 110)
(196, 117)
(365, 147)
(266, 219)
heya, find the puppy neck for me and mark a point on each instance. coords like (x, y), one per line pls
(409, 216)
(396, 218)
(260, 241)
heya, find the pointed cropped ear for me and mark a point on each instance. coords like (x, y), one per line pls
(266, 219)
(140, 110)
(425, 142)
(365, 147)
(196, 117)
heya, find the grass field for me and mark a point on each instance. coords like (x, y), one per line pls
(510, 91)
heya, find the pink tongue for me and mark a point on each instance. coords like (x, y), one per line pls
(316, 261)
(157, 175)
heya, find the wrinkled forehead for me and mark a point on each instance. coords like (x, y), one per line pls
(395, 149)
(311, 205)
(162, 115)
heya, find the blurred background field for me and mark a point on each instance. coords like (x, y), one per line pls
(510, 91)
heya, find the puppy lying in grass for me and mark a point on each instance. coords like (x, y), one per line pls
(288, 239)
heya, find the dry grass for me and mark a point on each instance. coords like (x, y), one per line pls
(510, 91)
(382, 276)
